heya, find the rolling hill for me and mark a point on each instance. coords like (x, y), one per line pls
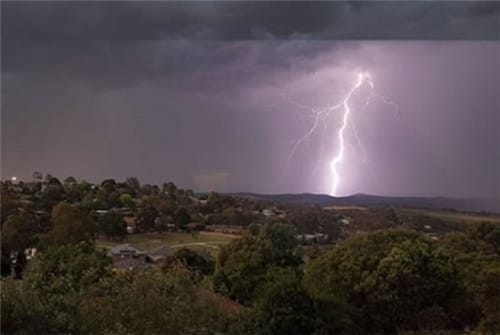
(459, 204)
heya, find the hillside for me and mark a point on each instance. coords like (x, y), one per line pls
(470, 204)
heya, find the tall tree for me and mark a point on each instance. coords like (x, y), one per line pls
(112, 226)
(146, 215)
(70, 225)
(18, 234)
(241, 265)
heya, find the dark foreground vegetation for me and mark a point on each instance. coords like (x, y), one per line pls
(293, 270)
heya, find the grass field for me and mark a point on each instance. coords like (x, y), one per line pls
(452, 216)
(344, 208)
(202, 241)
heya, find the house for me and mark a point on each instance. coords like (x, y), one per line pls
(114, 210)
(159, 254)
(345, 222)
(126, 257)
(274, 212)
(131, 223)
(227, 229)
(316, 237)
(126, 251)
(267, 212)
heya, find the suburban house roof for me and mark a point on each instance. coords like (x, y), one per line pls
(164, 250)
(130, 220)
(125, 249)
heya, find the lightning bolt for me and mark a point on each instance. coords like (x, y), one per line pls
(321, 115)
(362, 77)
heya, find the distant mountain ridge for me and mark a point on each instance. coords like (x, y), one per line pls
(459, 204)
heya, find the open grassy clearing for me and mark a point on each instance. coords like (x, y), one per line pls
(344, 208)
(201, 240)
(452, 216)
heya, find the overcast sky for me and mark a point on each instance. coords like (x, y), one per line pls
(215, 96)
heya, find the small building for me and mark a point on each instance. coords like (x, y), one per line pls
(130, 223)
(126, 257)
(345, 222)
(316, 237)
(126, 251)
(267, 212)
(227, 229)
(159, 254)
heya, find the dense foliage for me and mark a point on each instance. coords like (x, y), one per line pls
(373, 271)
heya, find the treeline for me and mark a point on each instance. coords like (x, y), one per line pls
(388, 282)
(46, 210)
(391, 281)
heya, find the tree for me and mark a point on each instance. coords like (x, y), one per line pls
(488, 293)
(112, 226)
(90, 203)
(170, 189)
(108, 193)
(133, 185)
(108, 185)
(282, 306)
(72, 190)
(279, 244)
(146, 215)
(46, 301)
(37, 176)
(84, 186)
(489, 233)
(53, 192)
(192, 260)
(18, 234)
(242, 264)
(393, 278)
(69, 225)
(126, 200)
(478, 263)
(70, 180)
(182, 217)
(152, 302)
(9, 205)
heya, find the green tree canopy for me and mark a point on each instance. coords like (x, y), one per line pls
(47, 299)
(191, 260)
(69, 225)
(282, 306)
(126, 200)
(394, 278)
(182, 217)
(242, 264)
(112, 226)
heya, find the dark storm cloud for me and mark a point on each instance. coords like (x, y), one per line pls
(249, 20)
(111, 64)
(207, 93)
(111, 44)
